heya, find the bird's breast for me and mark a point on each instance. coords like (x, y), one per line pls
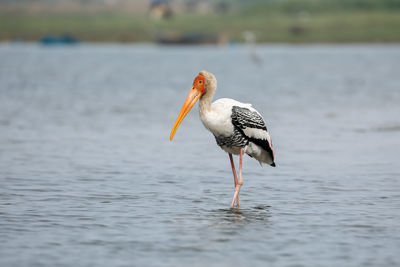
(218, 120)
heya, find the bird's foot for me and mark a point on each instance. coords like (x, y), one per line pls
(236, 195)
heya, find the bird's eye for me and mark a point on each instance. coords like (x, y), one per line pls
(200, 81)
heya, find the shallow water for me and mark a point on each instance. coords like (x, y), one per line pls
(88, 175)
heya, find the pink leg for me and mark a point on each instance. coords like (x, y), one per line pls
(239, 182)
(234, 176)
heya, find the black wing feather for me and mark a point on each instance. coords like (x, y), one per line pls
(243, 118)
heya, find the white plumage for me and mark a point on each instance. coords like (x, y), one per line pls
(218, 120)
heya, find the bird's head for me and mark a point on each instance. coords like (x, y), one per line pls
(199, 84)
(203, 82)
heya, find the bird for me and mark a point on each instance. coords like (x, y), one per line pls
(237, 127)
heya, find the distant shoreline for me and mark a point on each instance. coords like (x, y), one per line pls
(336, 27)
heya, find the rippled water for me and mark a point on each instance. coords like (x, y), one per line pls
(88, 176)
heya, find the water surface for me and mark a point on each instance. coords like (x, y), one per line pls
(89, 177)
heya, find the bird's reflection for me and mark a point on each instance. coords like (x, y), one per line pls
(241, 215)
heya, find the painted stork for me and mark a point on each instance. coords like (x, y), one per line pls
(237, 127)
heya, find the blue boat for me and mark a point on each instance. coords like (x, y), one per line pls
(65, 39)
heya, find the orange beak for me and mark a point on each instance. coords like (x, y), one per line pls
(191, 99)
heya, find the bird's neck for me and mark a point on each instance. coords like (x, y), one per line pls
(205, 101)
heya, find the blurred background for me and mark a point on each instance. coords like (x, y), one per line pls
(89, 92)
(201, 21)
